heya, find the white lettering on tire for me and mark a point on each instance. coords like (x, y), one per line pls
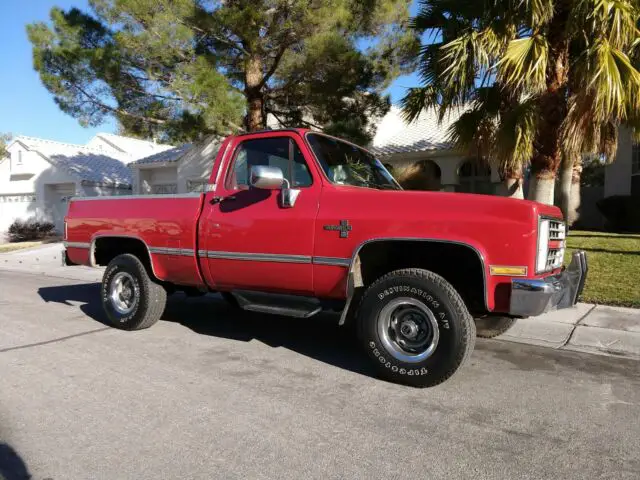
(395, 368)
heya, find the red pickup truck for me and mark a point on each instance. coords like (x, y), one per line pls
(294, 221)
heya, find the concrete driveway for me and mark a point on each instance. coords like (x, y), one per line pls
(210, 392)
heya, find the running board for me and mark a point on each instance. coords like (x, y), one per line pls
(277, 304)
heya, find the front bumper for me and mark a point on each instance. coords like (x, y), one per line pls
(535, 297)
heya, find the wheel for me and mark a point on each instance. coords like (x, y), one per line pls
(130, 298)
(489, 327)
(415, 327)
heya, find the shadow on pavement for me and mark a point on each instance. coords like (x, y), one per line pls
(318, 337)
(12, 467)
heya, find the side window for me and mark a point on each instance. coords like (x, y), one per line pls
(282, 152)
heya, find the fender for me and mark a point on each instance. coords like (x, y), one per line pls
(354, 278)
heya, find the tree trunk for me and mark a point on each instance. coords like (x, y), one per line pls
(256, 118)
(553, 109)
(511, 184)
(565, 188)
(570, 190)
(542, 189)
(573, 214)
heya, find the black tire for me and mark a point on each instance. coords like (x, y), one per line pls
(490, 327)
(426, 290)
(147, 298)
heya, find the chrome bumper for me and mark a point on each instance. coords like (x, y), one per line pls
(535, 297)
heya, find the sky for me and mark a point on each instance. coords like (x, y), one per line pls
(27, 108)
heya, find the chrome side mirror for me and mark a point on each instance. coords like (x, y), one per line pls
(271, 178)
(267, 178)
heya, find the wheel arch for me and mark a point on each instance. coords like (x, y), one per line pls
(360, 273)
(105, 247)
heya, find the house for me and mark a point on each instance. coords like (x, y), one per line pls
(622, 177)
(423, 159)
(38, 176)
(180, 169)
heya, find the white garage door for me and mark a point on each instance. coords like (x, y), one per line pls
(12, 207)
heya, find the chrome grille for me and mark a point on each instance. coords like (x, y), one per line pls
(555, 257)
(557, 230)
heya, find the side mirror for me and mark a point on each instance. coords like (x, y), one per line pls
(267, 178)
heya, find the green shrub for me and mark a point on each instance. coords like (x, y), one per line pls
(31, 229)
(622, 213)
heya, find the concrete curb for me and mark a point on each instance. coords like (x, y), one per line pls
(588, 328)
(597, 329)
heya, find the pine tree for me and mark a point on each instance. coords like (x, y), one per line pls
(183, 68)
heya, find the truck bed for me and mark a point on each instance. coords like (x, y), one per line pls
(165, 224)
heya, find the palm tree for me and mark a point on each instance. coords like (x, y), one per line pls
(539, 80)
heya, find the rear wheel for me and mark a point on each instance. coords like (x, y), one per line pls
(490, 327)
(415, 327)
(130, 298)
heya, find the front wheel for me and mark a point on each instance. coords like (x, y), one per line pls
(490, 327)
(130, 298)
(415, 327)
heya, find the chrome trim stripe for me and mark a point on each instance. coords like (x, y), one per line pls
(259, 257)
(332, 261)
(76, 245)
(185, 252)
(134, 197)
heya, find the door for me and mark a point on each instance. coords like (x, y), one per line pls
(251, 241)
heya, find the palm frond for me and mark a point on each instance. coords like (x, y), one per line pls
(540, 11)
(472, 133)
(613, 20)
(612, 80)
(416, 100)
(515, 135)
(524, 64)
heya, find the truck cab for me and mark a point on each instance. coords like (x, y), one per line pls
(294, 222)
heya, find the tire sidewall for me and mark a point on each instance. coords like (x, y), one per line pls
(116, 318)
(451, 329)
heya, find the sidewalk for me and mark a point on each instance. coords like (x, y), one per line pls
(585, 328)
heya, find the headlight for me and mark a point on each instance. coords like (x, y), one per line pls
(551, 245)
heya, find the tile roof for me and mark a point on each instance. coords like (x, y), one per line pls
(204, 148)
(171, 155)
(82, 162)
(394, 135)
(134, 148)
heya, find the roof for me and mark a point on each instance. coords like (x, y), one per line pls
(171, 155)
(394, 135)
(134, 148)
(204, 147)
(81, 162)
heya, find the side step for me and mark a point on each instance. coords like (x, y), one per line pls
(278, 304)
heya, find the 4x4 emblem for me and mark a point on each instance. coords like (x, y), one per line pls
(344, 228)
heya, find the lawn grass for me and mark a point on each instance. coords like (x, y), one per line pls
(12, 247)
(614, 267)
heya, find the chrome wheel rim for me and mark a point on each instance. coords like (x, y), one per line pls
(122, 293)
(408, 329)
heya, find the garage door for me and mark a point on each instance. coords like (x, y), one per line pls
(12, 207)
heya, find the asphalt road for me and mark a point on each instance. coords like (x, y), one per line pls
(214, 393)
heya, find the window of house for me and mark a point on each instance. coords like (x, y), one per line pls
(281, 152)
(474, 176)
(19, 160)
(635, 160)
(197, 186)
(165, 189)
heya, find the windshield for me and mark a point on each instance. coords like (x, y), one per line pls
(346, 164)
